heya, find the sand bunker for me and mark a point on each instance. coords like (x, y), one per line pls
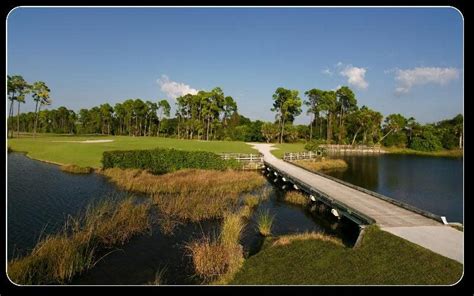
(86, 141)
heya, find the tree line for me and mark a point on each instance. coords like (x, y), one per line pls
(335, 116)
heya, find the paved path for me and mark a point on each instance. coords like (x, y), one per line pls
(414, 227)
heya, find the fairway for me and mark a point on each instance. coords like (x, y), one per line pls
(287, 147)
(71, 149)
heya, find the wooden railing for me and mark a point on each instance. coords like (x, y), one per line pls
(290, 156)
(243, 157)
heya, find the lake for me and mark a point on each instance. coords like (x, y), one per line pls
(434, 184)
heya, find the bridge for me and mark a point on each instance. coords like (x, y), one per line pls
(366, 207)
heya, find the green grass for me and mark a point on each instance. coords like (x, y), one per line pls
(382, 258)
(90, 154)
(441, 153)
(287, 147)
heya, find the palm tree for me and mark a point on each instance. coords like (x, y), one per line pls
(40, 93)
(17, 90)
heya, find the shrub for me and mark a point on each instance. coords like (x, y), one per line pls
(427, 141)
(159, 161)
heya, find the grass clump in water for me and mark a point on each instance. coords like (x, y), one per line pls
(217, 260)
(75, 169)
(295, 197)
(159, 277)
(264, 223)
(59, 257)
(323, 164)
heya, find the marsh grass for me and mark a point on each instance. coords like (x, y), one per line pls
(264, 223)
(217, 259)
(75, 169)
(287, 239)
(189, 195)
(323, 164)
(251, 200)
(295, 197)
(57, 258)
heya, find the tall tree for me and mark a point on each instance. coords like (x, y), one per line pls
(17, 89)
(347, 102)
(393, 123)
(40, 93)
(164, 108)
(329, 104)
(314, 99)
(287, 104)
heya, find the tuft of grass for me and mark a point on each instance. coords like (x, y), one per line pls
(287, 239)
(212, 259)
(381, 259)
(59, 257)
(295, 197)
(323, 164)
(75, 169)
(264, 223)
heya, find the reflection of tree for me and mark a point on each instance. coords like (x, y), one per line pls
(362, 171)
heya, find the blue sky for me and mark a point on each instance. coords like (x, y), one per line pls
(407, 61)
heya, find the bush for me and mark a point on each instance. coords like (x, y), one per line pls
(427, 141)
(396, 139)
(159, 161)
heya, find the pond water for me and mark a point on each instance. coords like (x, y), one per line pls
(40, 197)
(434, 184)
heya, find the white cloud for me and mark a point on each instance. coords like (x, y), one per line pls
(355, 76)
(423, 75)
(174, 89)
(327, 72)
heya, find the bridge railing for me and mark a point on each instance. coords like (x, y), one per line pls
(243, 157)
(290, 156)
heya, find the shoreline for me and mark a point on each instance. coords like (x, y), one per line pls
(458, 153)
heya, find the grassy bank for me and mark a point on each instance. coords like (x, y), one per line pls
(58, 258)
(69, 149)
(325, 164)
(443, 153)
(382, 258)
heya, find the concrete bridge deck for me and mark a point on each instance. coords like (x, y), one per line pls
(397, 220)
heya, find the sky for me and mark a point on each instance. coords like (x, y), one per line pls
(396, 60)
